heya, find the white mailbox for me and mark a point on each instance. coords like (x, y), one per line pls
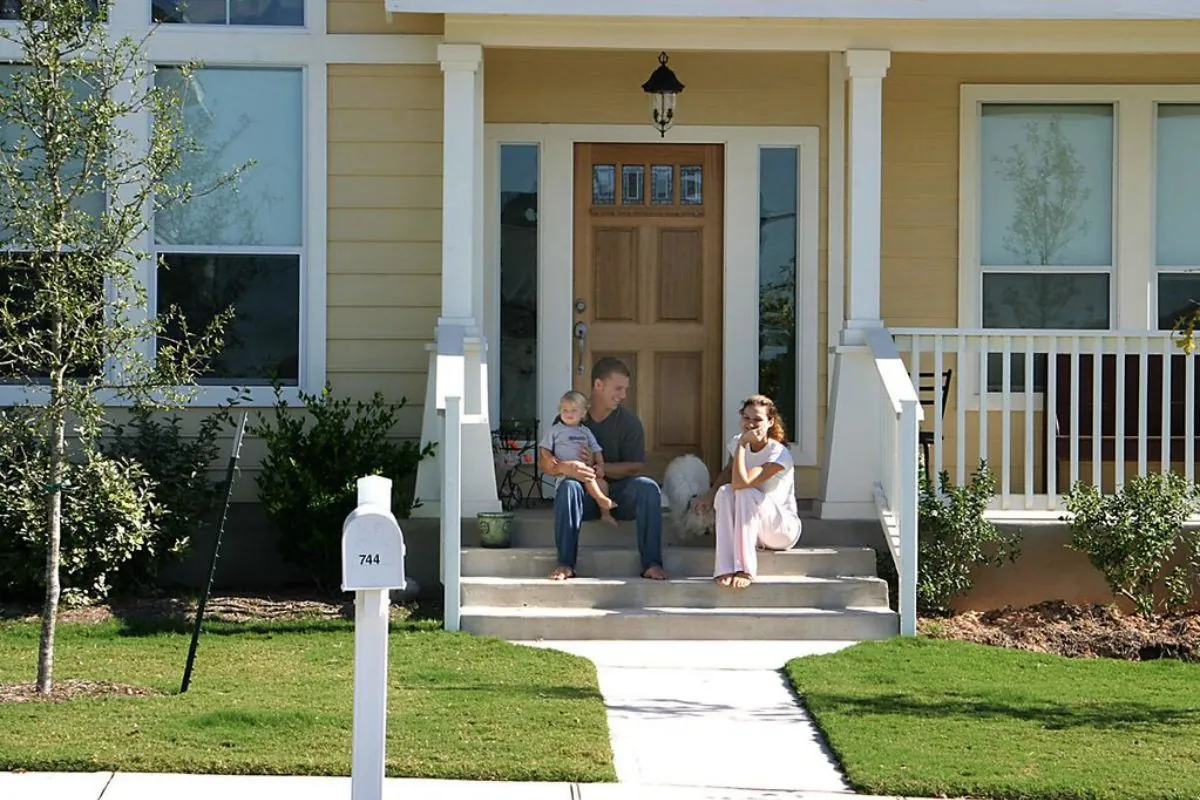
(372, 550)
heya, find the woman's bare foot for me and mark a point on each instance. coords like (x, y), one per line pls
(562, 574)
(655, 574)
(607, 517)
(724, 580)
(741, 580)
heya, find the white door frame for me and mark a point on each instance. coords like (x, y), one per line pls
(556, 236)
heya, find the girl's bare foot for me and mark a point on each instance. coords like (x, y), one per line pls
(562, 574)
(741, 580)
(606, 517)
(724, 580)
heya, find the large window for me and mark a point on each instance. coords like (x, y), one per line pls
(228, 12)
(1177, 212)
(240, 243)
(778, 190)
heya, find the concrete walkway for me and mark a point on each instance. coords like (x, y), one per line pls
(710, 714)
(131, 786)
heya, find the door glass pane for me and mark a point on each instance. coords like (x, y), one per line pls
(1177, 204)
(633, 181)
(1178, 294)
(777, 212)
(662, 184)
(604, 184)
(518, 282)
(1047, 178)
(691, 188)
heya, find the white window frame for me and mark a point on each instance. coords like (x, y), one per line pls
(227, 26)
(1133, 282)
(740, 358)
(311, 49)
(1157, 269)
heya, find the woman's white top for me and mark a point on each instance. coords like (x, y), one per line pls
(780, 487)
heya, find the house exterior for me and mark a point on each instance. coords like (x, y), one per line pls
(469, 198)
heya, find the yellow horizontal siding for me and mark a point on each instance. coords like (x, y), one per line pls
(369, 16)
(384, 227)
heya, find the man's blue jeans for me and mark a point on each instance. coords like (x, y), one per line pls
(636, 498)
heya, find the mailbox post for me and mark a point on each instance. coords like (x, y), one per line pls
(372, 565)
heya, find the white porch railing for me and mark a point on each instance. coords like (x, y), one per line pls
(896, 477)
(1057, 407)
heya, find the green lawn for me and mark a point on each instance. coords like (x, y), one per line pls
(925, 717)
(275, 698)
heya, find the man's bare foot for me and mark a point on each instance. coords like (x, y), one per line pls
(724, 580)
(562, 574)
(655, 573)
(608, 518)
(741, 580)
(607, 504)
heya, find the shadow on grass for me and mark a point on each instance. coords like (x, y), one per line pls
(183, 625)
(1108, 716)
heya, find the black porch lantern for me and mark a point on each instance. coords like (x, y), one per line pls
(662, 87)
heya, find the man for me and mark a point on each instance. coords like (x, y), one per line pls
(622, 441)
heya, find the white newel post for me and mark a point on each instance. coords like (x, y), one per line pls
(372, 565)
(460, 347)
(852, 429)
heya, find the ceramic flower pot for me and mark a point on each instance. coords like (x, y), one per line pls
(495, 528)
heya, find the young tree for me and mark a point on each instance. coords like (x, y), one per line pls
(80, 182)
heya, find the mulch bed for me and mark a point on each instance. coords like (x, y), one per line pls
(1075, 631)
(69, 690)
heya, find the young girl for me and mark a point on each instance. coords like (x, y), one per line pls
(755, 495)
(565, 441)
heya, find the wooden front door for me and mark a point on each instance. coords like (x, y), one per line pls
(648, 283)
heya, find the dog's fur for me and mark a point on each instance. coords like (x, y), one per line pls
(686, 479)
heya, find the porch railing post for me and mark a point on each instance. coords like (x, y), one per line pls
(452, 511)
(905, 505)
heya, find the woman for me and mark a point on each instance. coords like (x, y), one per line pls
(755, 495)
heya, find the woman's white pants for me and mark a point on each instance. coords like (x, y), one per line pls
(747, 519)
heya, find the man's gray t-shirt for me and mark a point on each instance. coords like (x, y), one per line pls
(621, 435)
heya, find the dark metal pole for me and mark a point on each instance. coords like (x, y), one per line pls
(230, 474)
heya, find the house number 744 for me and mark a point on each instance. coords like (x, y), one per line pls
(368, 558)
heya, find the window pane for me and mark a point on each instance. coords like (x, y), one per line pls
(1055, 301)
(239, 116)
(24, 286)
(189, 12)
(633, 178)
(1177, 205)
(662, 184)
(777, 205)
(1047, 178)
(241, 12)
(263, 340)
(518, 281)
(691, 185)
(1178, 294)
(604, 189)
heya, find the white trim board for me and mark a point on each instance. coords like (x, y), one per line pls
(556, 257)
(812, 9)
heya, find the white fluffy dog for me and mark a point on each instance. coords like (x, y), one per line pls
(686, 479)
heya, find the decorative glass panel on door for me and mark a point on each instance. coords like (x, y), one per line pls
(691, 185)
(604, 184)
(662, 184)
(633, 180)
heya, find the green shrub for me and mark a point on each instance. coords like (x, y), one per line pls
(315, 456)
(179, 466)
(107, 510)
(955, 536)
(1133, 535)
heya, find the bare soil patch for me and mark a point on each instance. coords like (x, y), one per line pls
(70, 690)
(1075, 631)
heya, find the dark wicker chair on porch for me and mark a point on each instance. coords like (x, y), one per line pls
(927, 389)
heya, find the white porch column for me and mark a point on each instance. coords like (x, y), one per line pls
(458, 361)
(852, 425)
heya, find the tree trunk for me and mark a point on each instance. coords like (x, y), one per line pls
(57, 467)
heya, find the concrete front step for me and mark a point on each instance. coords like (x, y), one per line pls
(854, 624)
(614, 593)
(683, 562)
(535, 528)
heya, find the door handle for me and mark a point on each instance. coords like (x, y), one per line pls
(581, 329)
